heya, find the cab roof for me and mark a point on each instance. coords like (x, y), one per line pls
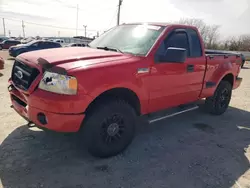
(162, 24)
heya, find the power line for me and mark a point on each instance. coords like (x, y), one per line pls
(112, 18)
(85, 10)
(74, 7)
(46, 25)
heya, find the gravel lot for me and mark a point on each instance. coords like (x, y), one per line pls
(187, 151)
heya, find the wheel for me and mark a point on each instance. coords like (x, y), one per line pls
(109, 128)
(219, 102)
(1, 47)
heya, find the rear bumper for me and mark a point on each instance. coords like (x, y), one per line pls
(237, 82)
(56, 121)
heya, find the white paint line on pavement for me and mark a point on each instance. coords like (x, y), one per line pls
(238, 184)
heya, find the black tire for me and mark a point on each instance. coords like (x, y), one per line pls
(219, 102)
(109, 128)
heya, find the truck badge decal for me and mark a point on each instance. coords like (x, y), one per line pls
(142, 70)
(19, 74)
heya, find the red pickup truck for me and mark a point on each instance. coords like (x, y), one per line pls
(131, 70)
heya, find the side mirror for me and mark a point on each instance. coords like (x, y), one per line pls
(175, 55)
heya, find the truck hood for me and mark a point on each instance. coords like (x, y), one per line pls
(73, 57)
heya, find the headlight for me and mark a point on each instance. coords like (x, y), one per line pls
(58, 83)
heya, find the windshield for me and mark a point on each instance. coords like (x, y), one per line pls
(134, 39)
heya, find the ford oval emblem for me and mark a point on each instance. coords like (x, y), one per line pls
(19, 74)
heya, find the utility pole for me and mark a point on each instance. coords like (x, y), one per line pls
(58, 33)
(85, 30)
(9, 33)
(23, 29)
(4, 31)
(77, 10)
(119, 11)
(97, 34)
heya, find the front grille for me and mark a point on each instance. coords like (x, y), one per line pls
(20, 102)
(23, 75)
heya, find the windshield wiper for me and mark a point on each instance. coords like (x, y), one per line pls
(109, 49)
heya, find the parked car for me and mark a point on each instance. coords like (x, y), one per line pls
(3, 38)
(59, 40)
(32, 46)
(129, 71)
(8, 43)
(27, 40)
(1, 63)
(75, 45)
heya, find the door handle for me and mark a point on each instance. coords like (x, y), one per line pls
(190, 68)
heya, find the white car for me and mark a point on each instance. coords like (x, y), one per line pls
(75, 45)
(59, 41)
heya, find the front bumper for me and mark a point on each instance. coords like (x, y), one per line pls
(56, 121)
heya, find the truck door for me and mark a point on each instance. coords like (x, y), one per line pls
(173, 84)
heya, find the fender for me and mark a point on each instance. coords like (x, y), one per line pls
(139, 91)
(213, 76)
(223, 70)
(99, 80)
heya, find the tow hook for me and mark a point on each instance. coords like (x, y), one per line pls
(30, 124)
(10, 88)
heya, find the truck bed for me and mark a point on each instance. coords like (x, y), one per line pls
(218, 62)
(220, 52)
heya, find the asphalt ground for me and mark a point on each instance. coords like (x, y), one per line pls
(192, 150)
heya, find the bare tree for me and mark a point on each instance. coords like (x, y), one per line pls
(241, 43)
(212, 36)
(233, 44)
(200, 24)
(209, 33)
(245, 42)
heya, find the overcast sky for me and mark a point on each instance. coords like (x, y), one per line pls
(99, 15)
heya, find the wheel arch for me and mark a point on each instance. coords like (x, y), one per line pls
(229, 77)
(209, 91)
(122, 93)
